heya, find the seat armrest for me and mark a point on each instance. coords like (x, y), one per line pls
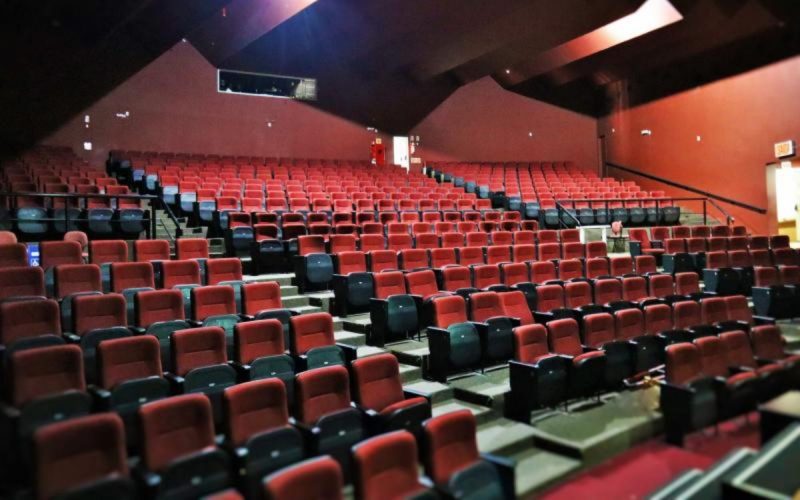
(101, 398)
(175, 382)
(71, 338)
(411, 393)
(242, 371)
(137, 330)
(350, 352)
(505, 469)
(763, 320)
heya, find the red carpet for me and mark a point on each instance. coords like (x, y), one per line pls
(642, 469)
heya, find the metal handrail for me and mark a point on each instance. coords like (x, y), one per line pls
(564, 210)
(15, 195)
(173, 218)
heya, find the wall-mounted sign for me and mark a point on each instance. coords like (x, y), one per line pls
(784, 149)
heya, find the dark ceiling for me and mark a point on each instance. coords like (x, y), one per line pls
(384, 63)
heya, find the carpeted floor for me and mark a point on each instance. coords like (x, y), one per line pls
(640, 470)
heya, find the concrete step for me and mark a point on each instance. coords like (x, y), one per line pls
(410, 374)
(537, 469)
(283, 279)
(505, 437)
(288, 290)
(357, 322)
(294, 301)
(368, 350)
(307, 310)
(349, 338)
(434, 391)
(412, 352)
(482, 414)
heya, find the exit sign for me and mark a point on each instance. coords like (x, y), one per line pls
(784, 149)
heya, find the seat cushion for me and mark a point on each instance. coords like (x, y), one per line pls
(402, 404)
(587, 355)
(740, 378)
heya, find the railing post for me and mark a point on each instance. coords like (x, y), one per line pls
(705, 212)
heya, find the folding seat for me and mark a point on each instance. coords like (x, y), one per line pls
(498, 254)
(770, 346)
(191, 248)
(150, 250)
(662, 286)
(441, 228)
(293, 230)
(470, 256)
(13, 255)
(200, 363)
(523, 253)
(386, 466)
(179, 453)
(790, 275)
(597, 268)
(549, 251)
(397, 228)
(382, 260)
(31, 222)
(658, 321)
(477, 239)
(717, 244)
(524, 238)
(737, 242)
(182, 275)
(28, 323)
(570, 269)
(687, 285)
(515, 305)
(319, 477)
(587, 369)
(215, 305)
(311, 342)
(130, 374)
(737, 393)
(398, 242)
(441, 257)
(21, 283)
(599, 333)
(543, 272)
(43, 386)
(537, 378)
(608, 292)
(466, 227)
(487, 277)
(688, 397)
(378, 390)
(451, 216)
(313, 265)
(573, 250)
(71, 281)
(640, 244)
(773, 377)
(427, 240)
(97, 318)
(451, 458)
(675, 258)
(494, 328)
(457, 279)
(785, 257)
(759, 242)
(413, 259)
(719, 277)
(595, 249)
(61, 468)
(323, 406)
(514, 273)
(454, 343)
(778, 241)
(56, 253)
(371, 242)
(501, 238)
(635, 290)
(621, 266)
(645, 264)
(257, 427)
(547, 236)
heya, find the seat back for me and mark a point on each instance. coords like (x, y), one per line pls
(180, 272)
(212, 300)
(376, 381)
(75, 278)
(91, 312)
(598, 329)
(129, 358)
(320, 392)
(682, 363)
(449, 310)
(158, 305)
(44, 371)
(422, 283)
(309, 331)
(686, 314)
(456, 277)
(563, 337)
(319, 477)
(175, 427)
(386, 466)
(21, 319)
(79, 452)
(21, 282)
(530, 343)
(737, 349)
(629, 323)
(56, 253)
(192, 248)
(13, 255)
(449, 444)
(150, 250)
(657, 318)
(254, 407)
(256, 339)
(197, 347)
(103, 251)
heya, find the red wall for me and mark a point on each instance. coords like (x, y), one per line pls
(483, 121)
(174, 106)
(738, 119)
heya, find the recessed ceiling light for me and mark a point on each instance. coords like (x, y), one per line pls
(508, 71)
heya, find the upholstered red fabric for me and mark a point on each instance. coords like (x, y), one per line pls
(318, 478)
(543, 271)
(212, 301)
(126, 275)
(607, 290)
(150, 250)
(713, 310)
(598, 329)
(484, 305)
(128, 358)
(414, 258)
(28, 318)
(180, 272)
(451, 444)
(661, 285)
(563, 337)
(98, 311)
(387, 467)
(657, 318)
(45, 371)
(219, 270)
(256, 339)
(311, 330)
(577, 294)
(196, 347)
(456, 277)
(21, 281)
(75, 278)
(377, 384)
(515, 305)
(56, 253)
(570, 269)
(422, 283)
(78, 452)
(712, 356)
(738, 309)
(523, 252)
(254, 407)
(686, 314)
(486, 275)
(737, 349)
(515, 272)
(469, 256)
(549, 297)
(687, 283)
(192, 248)
(530, 343)
(498, 254)
(449, 310)
(261, 296)
(175, 427)
(683, 363)
(629, 323)
(103, 251)
(158, 305)
(322, 391)
(13, 255)
(382, 260)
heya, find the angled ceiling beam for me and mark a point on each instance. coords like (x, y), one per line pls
(241, 23)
